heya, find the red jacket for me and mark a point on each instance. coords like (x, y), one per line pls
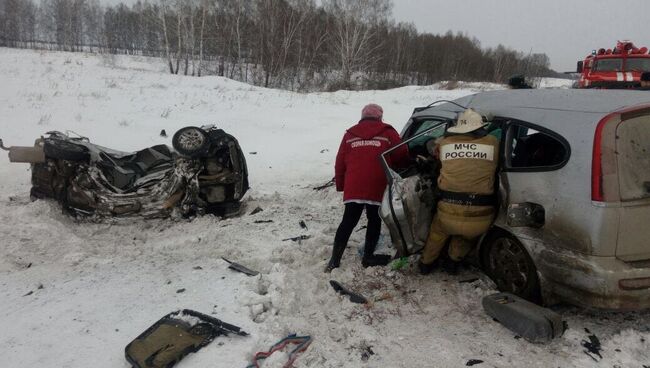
(358, 171)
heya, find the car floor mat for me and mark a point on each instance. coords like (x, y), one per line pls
(173, 337)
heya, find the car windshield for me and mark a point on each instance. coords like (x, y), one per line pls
(638, 64)
(420, 141)
(608, 65)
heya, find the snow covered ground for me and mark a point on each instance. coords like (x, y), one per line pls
(74, 294)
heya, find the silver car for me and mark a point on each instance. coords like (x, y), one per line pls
(573, 222)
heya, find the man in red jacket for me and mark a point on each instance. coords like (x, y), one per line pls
(361, 178)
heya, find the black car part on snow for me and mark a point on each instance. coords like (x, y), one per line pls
(354, 297)
(528, 320)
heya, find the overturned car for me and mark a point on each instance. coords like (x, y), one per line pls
(205, 172)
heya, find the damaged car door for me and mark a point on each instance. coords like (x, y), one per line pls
(409, 200)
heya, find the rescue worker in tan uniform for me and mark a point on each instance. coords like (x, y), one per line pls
(466, 208)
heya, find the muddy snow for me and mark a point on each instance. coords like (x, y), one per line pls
(74, 294)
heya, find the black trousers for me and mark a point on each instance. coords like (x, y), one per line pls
(351, 218)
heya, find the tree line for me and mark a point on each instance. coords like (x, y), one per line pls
(293, 44)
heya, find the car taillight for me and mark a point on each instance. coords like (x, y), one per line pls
(604, 172)
(596, 168)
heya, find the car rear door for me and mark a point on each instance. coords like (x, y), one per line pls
(633, 156)
(532, 157)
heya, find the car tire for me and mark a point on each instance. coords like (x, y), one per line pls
(191, 142)
(507, 262)
(63, 150)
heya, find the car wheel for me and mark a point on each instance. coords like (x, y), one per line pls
(191, 141)
(508, 264)
(64, 150)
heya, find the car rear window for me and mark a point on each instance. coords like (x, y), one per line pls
(633, 147)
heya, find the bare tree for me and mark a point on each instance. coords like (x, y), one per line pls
(204, 11)
(354, 28)
(163, 18)
(93, 23)
(296, 44)
(11, 21)
(17, 22)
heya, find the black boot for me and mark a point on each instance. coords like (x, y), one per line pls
(426, 269)
(450, 266)
(370, 259)
(335, 260)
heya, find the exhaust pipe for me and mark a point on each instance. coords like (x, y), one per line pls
(30, 155)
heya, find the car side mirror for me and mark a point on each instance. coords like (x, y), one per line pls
(2, 146)
(526, 214)
(579, 68)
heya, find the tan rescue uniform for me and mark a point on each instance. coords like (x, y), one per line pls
(468, 165)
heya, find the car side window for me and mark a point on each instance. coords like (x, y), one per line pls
(529, 149)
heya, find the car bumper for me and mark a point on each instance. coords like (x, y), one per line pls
(589, 281)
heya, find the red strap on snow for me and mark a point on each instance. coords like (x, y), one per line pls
(303, 343)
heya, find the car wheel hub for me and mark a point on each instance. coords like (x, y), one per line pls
(509, 266)
(191, 139)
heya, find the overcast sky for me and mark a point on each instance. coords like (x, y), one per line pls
(566, 30)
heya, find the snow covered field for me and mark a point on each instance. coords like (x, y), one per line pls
(74, 294)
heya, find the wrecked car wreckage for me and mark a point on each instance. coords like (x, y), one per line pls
(205, 173)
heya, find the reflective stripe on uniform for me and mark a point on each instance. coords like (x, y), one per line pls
(366, 143)
(477, 151)
(360, 142)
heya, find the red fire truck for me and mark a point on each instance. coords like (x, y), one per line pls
(620, 67)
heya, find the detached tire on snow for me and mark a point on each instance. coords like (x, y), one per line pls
(191, 142)
(64, 150)
(507, 262)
